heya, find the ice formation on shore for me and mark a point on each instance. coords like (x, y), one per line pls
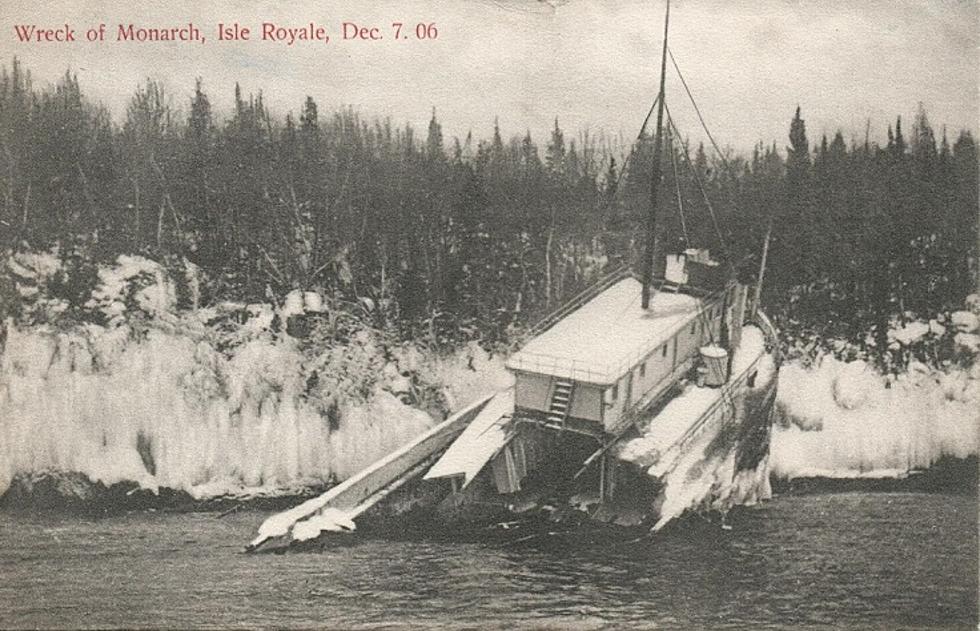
(152, 396)
(171, 411)
(845, 419)
(163, 401)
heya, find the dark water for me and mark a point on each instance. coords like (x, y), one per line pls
(854, 560)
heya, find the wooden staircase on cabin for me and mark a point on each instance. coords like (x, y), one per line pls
(561, 404)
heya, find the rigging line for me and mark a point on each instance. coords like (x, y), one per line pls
(697, 110)
(704, 125)
(646, 120)
(643, 128)
(705, 323)
(704, 194)
(677, 187)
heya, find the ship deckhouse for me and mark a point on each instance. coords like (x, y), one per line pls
(609, 357)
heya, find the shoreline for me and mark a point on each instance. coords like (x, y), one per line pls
(74, 494)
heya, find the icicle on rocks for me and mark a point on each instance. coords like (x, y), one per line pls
(842, 419)
(210, 402)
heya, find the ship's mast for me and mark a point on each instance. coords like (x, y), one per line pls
(648, 253)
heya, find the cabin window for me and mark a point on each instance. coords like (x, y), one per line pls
(643, 369)
(752, 378)
(663, 350)
(693, 327)
(614, 393)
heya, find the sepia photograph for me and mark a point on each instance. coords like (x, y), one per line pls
(489, 314)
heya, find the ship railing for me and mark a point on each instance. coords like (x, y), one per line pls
(565, 367)
(726, 395)
(769, 332)
(604, 283)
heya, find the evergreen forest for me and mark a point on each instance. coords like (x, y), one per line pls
(456, 239)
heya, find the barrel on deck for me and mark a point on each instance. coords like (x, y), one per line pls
(715, 360)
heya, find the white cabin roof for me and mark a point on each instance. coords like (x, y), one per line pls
(603, 339)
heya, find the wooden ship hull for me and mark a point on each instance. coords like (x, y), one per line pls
(578, 448)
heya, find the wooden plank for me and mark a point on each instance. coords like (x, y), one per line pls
(360, 489)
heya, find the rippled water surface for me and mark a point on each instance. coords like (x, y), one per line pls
(856, 560)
